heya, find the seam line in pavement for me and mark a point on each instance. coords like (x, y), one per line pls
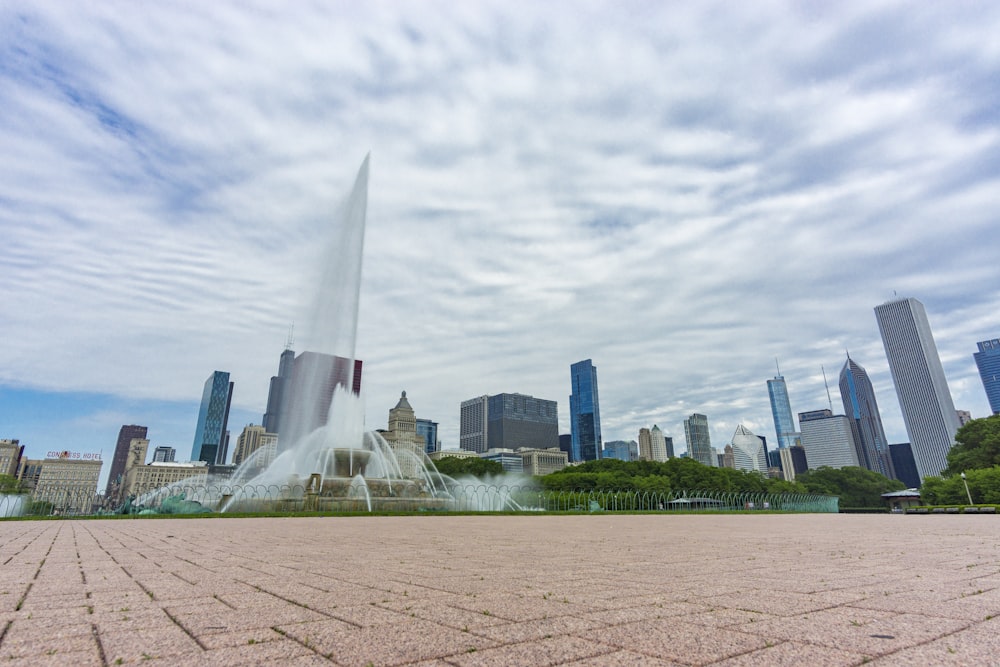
(186, 631)
(100, 646)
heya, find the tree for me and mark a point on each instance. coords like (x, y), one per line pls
(857, 487)
(984, 486)
(455, 466)
(977, 446)
(10, 485)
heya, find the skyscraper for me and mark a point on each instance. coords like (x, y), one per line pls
(748, 451)
(508, 421)
(276, 390)
(584, 411)
(924, 397)
(861, 408)
(210, 437)
(827, 439)
(781, 412)
(699, 442)
(428, 430)
(519, 420)
(126, 434)
(308, 392)
(658, 444)
(988, 363)
(645, 444)
(472, 424)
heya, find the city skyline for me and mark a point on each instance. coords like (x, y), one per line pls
(679, 193)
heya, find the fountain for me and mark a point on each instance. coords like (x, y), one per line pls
(326, 461)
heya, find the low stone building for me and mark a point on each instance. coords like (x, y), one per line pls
(70, 484)
(542, 461)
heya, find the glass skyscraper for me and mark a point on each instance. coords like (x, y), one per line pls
(584, 412)
(699, 442)
(428, 432)
(988, 362)
(861, 408)
(781, 411)
(924, 397)
(210, 442)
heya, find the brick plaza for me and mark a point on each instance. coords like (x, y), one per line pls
(821, 589)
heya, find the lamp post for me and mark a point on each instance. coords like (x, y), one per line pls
(967, 489)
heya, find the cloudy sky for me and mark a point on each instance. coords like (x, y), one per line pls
(682, 192)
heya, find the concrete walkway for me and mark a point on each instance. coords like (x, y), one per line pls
(500, 590)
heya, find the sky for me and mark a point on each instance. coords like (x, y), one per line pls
(682, 192)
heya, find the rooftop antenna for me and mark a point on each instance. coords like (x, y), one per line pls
(827, 385)
(291, 336)
(778, 368)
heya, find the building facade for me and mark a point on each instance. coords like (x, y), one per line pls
(542, 461)
(699, 442)
(988, 363)
(308, 392)
(827, 439)
(861, 408)
(623, 450)
(748, 450)
(585, 412)
(11, 452)
(428, 430)
(69, 484)
(257, 442)
(924, 397)
(904, 464)
(645, 444)
(781, 413)
(276, 392)
(164, 454)
(472, 424)
(511, 461)
(152, 476)
(126, 434)
(403, 438)
(518, 420)
(211, 439)
(658, 444)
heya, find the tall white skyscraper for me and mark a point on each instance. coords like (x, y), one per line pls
(924, 397)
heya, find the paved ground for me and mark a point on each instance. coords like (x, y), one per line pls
(533, 590)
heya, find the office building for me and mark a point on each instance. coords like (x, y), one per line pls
(518, 420)
(11, 452)
(748, 451)
(904, 464)
(511, 461)
(924, 397)
(658, 444)
(307, 394)
(585, 412)
(70, 484)
(276, 392)
(699, 442)
(645, 444)
(164, 455)
(508, 421)
(793, 462)
(827, 439)
(964, 417)
(861, 408)
(988, 363)
(211, 439)
(472, 424)
(403, 438)
(428, 430)
(126, 434)
(542, 461)
(781, 413)
(142, 479)
(623, 450)
(255, 442)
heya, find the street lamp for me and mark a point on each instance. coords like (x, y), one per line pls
(967, 489)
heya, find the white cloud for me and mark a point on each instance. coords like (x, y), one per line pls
(681, 194)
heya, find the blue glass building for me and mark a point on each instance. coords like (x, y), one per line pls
(781, 411)
(988, 362)
(210, 438)
(861, 408)
(584, 412)
(428, 431)
(622, 450)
